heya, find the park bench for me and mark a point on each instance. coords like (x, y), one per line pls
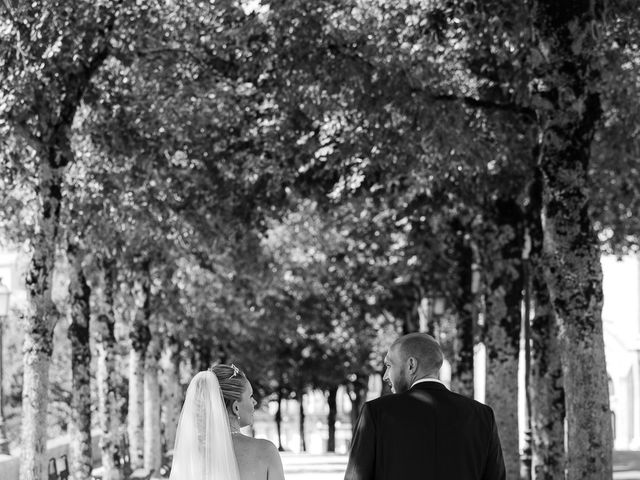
(167, 460)
(120, 458)
(141, 474)
(52, 469)
(123, 463)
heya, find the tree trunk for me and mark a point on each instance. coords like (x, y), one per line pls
(331, 419)
(547, 412)
(411, 321)
(502, 339)
(80, 458)
(41, 318)
(107, 401)
(568, 111)
(462, 361)
(106, 378)
(38, 348)
(525, 460)
(547, 394)
(278, 419)
(530, 259)
(358, 395)
(503, 324)
(152, 435)
(135, 420)
(140, 337)
(172, 394)
(303, 442)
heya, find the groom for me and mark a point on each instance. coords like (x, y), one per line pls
(424, 431)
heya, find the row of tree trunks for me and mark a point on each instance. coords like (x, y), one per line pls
(504, 314)
(504, 317)
(146, 347)
(51, 106)
(80, 458)
(145, 406)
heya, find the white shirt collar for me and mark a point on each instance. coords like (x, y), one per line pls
(428, 379)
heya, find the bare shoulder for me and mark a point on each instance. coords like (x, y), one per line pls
(259, 446)
(266, 448)
(265, 453)
(271, 456)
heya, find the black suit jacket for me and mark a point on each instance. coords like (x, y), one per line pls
(426, 433)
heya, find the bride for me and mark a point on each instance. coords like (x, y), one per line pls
(209, 444)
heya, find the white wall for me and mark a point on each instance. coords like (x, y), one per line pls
(621, 322)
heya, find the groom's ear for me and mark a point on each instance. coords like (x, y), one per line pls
(413, 364)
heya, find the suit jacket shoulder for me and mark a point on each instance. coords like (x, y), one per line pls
(426, 432)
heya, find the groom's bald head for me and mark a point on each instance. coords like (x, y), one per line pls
(424, 349)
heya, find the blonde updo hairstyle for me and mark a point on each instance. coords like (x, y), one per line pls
(233, 383)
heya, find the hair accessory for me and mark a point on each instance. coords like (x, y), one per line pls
(236, 371)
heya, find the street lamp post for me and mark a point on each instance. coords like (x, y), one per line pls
(5, 293)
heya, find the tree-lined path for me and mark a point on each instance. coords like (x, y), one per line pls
(290, 185)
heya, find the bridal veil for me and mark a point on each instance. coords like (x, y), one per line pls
(203, 448)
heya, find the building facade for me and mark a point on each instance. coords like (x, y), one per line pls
(621, 321)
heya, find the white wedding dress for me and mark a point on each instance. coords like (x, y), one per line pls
(203, 448)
